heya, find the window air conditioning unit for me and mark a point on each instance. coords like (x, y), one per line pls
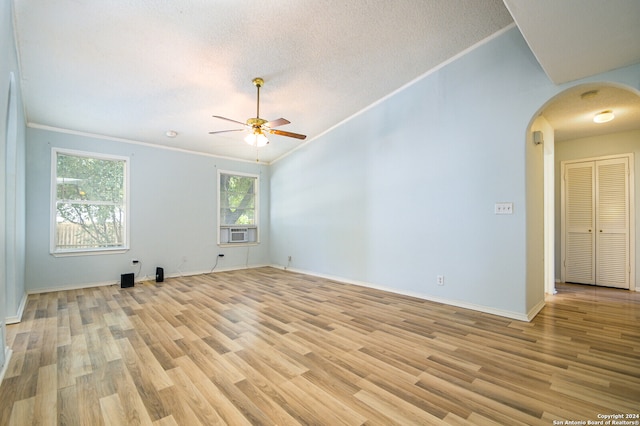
(238, 235)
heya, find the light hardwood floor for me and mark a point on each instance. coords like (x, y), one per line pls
(265, 346)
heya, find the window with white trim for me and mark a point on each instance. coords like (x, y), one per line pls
(238, 213)
(90, 202)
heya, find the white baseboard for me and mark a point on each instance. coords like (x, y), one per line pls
(79, 286)
(535, 310)
(137, 280)
(18, 317)
(452, 302)
(213, 271)
(7, 357)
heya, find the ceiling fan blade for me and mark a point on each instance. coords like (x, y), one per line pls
(288, 134)
(225, 131)
(228, 119)
(278, 122)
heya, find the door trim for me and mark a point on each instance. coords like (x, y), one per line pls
(632, 216)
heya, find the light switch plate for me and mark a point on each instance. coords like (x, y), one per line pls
(503, 208)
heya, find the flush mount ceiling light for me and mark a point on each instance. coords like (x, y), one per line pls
(259, 127)
(604, 116)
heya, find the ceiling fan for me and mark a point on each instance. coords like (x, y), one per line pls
(258, 127)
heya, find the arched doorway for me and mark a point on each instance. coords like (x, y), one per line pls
(562, 129)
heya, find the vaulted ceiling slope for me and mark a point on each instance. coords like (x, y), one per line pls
(573, 39)
(134, 70)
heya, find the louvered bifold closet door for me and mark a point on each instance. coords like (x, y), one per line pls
(579, 222)
(612, 223)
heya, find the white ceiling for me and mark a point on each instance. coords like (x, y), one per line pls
(571, 114)
(573, 39)
(136, 69)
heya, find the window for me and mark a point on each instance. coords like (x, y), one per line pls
(238, 201)
(89, 192)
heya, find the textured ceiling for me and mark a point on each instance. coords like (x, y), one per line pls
(135, 69)
(571, 114)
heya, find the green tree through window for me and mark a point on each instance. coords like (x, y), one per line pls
(90, 202)
(237, 200)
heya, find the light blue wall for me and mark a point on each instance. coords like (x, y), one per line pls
(401, 193)
(12, 179)
(15, 203)
(405, 191)
(173, 214)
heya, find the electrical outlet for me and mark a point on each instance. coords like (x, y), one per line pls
(440, 279)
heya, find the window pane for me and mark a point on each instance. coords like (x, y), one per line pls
(88, 226)
(90, 207)
(237, 200)
(84, 178)
(239, 217)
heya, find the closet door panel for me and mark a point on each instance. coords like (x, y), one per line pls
(580, 223)
(580, 255)
(612, 222)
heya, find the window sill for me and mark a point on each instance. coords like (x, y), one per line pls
(249, 243)
(96, 252)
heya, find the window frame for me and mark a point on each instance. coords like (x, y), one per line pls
(54, 250)
(256, 202)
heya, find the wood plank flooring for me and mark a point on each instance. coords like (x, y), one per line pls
(271, 347)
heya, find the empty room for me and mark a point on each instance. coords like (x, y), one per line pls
(319, 213)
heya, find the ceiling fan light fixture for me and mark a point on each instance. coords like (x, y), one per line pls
(604, 116)
(259, 126)
(257, 139)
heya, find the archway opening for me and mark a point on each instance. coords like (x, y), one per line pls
(563, 129)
